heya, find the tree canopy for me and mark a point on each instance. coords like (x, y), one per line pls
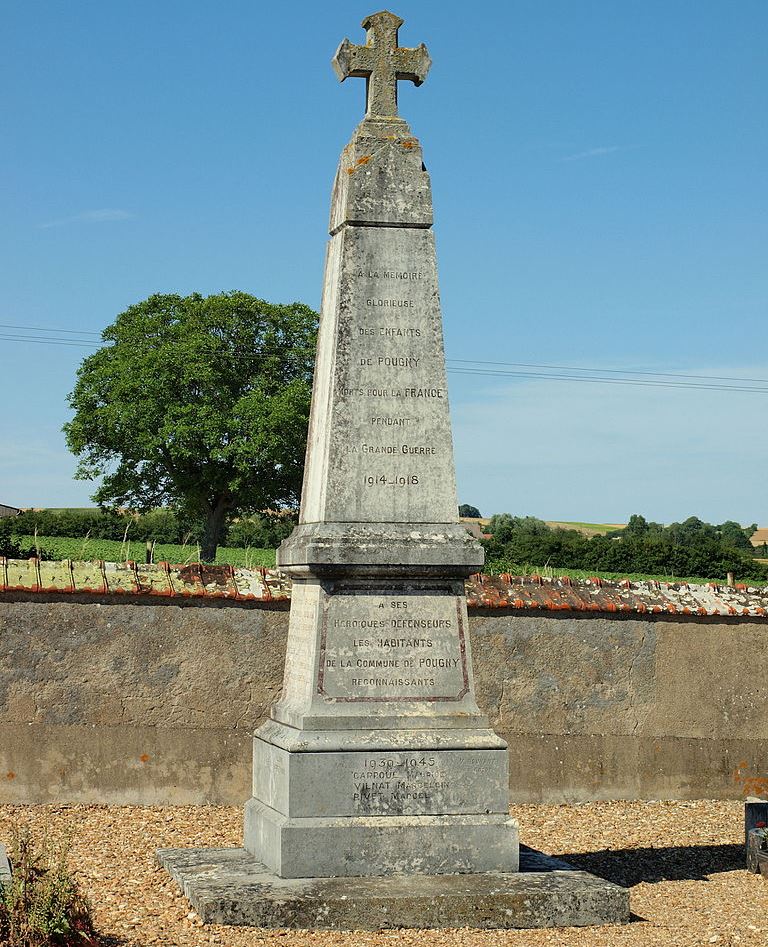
(690, 548)
(470, 512)
(199, 403)
(10, 545)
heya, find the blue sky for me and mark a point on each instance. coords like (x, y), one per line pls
(598, 173)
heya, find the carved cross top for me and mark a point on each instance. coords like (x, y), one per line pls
(381, 62)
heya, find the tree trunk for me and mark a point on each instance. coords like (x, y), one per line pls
(213, 530)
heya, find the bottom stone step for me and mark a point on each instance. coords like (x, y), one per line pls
(226, 886)
(378, 845)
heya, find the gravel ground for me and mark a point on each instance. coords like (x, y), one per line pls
(682, 860)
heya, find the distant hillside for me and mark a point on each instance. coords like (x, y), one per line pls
(586, 529)
(760, 537)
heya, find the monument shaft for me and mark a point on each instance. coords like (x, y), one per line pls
(377, 759)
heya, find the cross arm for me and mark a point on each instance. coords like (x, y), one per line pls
(412, 64)
(351, 60)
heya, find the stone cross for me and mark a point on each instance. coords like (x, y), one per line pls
(381, 62)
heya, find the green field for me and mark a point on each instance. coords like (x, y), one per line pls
(110, 550)
(58, 547)
(71, 509)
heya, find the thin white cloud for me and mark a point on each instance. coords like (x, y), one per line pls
(100, 216)
(597, 453)
(592, 153)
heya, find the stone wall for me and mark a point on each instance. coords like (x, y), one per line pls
(142, 700)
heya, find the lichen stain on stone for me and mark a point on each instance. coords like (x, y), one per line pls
(750, 785)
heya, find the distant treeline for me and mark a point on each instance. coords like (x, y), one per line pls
(161, 526)
(517, 543)
(691, 548)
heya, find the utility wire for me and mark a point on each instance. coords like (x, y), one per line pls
(612, 371)
(463, 366)
(24, 338)
(643, 383)
(461, 361)
(5, 325)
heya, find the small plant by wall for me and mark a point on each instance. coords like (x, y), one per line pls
(42, 905)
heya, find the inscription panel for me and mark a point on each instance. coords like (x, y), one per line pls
(402, 781)
(391, 455)
(424, 783)
(414, 782)
(383, 647)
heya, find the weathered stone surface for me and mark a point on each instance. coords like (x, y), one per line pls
(364, 738)
(388, 782)
(394, 652)
(381, 180)
(139, 665)
(366, 549)
(756, 854)
(380, 447)
(225, 886)
(5, 866)
(379, 844)
(605, 686)
(382, 62)
(92, 710)
(755, 818)
(133, 703)
(378, 642)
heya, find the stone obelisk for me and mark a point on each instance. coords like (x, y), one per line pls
(376, 759)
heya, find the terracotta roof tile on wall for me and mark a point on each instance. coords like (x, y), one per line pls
(599, 595)
(483, 591)
(132, 578)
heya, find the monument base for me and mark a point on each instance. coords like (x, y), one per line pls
(226, 886)
(380, 845)
(350, 802)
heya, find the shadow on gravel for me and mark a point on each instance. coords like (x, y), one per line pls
(631, 866)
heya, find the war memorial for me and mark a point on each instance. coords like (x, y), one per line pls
(380, 792)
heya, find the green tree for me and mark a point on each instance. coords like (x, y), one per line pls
(470, 512)
(637, 526)
(10, 545)
(735, 536)
(200, 404)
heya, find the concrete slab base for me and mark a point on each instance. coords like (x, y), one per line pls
(226, 886)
